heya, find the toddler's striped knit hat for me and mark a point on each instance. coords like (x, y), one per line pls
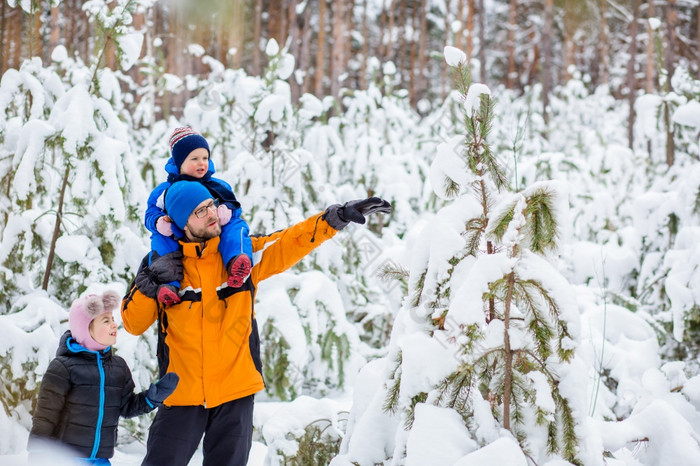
(183, 141)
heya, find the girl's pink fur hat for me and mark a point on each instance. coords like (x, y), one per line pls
(83, 310)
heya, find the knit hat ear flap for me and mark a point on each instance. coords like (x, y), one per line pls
(93, 306)
(110, 300)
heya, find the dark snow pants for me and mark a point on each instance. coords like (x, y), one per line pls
(176, 431)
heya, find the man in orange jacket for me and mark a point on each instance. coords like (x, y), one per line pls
(210, 338)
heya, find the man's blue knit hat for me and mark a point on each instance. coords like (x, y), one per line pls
(183, 141)
(182, 198)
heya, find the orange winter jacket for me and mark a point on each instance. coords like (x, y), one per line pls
(210, 339)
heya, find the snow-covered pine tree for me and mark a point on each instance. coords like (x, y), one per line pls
(483, 339)
(68, 215)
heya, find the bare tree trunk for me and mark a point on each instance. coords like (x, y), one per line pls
(460, 32)
(70, 28)
(422, 48)
(671, 24)
(35, 30)
(569, 48)
(54, 31)
(535, 63)
(401, 45)
(413, 21)
(390, 36)
(274, 21)
(257, 37)
(604, 42)
(321, 50)
(470, 31)
(110, 52)
(631, 65)
(513, 14)
(304, 47)
(337, 47)
(650, 86)
(482, 41)
(448, 36)
(547, 59)
(347, 35)
(4, 38)
(383, 27)
(56, 230)
(365, 46)
(295, 23)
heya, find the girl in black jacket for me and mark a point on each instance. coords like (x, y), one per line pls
(86, 387)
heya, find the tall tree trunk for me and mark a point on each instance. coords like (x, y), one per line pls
(482, 41)
(547, 57)
(535, 62)
(304, 47)
(448, 41)
(383, 27)
(631, 66)
(604, 42)
(4, 38)
(390, 36)
(671, 24)
(110, 49)
(569, 48)
(35, 39)
(347, 34)
(650, 86)
(401, 44)
(470, 31)
(413, 23)
(422, 49)
(54, 31)
(459, 36)
(365, 46)
(70, 28)
(295, 22)
(321, 49)
(512, 17)
(337, 47)
(275, 22)
(257, 37)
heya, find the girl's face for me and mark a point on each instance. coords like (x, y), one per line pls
(103, 329)
(196, 164)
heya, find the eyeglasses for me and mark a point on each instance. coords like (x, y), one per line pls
(202, 211)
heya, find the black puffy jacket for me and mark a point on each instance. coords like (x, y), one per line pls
(81, 398)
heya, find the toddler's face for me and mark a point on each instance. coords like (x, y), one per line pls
(103, 329)
(196, 164)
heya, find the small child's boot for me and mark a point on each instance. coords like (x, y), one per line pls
(167, 294)
(238, 270)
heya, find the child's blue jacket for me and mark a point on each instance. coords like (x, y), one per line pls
(219, 189)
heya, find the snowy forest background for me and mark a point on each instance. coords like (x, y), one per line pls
(534, 298)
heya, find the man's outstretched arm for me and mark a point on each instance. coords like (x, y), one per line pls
(281, 250)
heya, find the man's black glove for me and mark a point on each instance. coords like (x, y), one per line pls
(338, 216)
(163, 269)
(159, 391)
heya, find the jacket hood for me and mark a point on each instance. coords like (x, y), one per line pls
(67, 346)
(174, 173)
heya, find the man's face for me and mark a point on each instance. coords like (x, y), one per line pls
(203, 222)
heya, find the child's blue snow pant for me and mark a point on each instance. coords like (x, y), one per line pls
(177, 430)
